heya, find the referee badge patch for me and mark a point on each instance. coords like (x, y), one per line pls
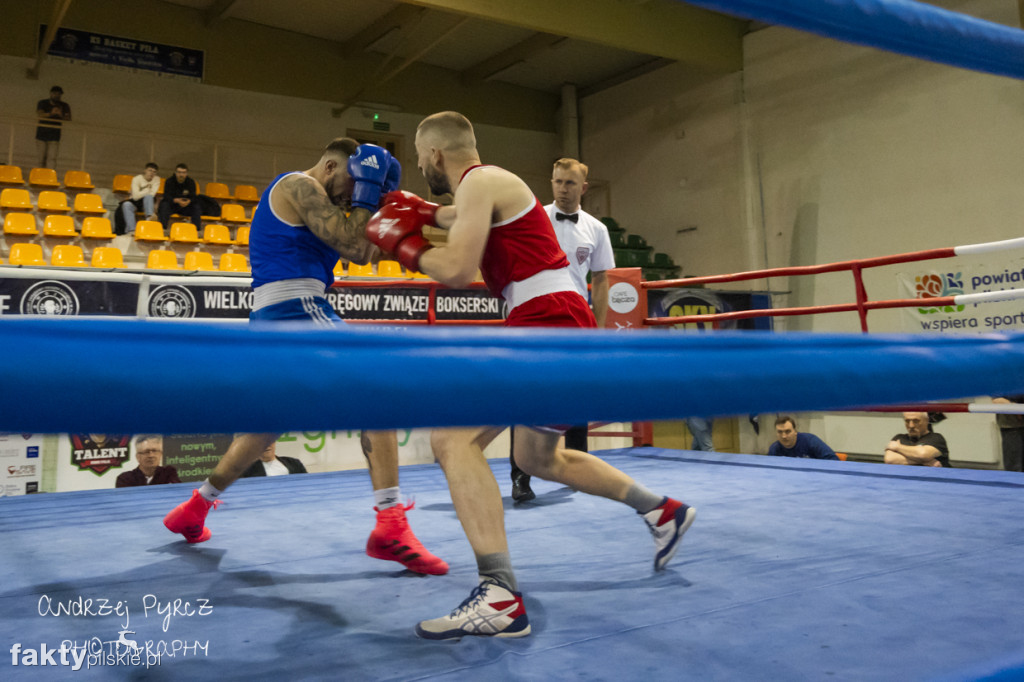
(582, 254)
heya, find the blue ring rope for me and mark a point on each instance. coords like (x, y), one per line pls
(131, 376)
(911, 28)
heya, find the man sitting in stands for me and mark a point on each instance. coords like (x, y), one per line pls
(180, 196)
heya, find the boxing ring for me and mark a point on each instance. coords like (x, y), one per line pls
(794, 570)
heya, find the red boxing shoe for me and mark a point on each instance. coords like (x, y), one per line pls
(393, 540)
(188, 518)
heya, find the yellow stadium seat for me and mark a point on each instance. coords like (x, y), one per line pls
(78, 180)
(233, 262)
(122, 184)
(417, 275)
(389, 268)
(242, 238)
(20, 223)
(11, 176)
(217, 234)
(339, 269)
(53, 202)
(43, 177)
(219, 191)
(59, 226)
(199, 260)
(89, 203)
(12, 199)
(247, 193)
(356, 270)
(67, 255)
(159, 259)
(233, 213)
(97, 228)
(160, 192)
(26, 254)
(185, 232)
(149, 231)
(107, 257)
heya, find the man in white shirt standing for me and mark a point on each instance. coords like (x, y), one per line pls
(144, 189)
(586, 244)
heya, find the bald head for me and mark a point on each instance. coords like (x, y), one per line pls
(448, 131)
(916, 423)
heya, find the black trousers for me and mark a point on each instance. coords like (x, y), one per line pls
(192, 211)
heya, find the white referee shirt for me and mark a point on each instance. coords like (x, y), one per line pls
(586, 244)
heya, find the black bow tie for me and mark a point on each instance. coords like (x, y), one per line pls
(572, 217)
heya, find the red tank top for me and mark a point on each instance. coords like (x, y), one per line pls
(519, 247)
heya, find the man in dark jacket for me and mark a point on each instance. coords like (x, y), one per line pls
(180, 196)
(269, 464)
(149, 451)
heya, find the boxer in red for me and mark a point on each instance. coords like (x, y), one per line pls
(497, 226)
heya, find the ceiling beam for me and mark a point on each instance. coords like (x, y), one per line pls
(376, 80)
(627, 75)
(520, 52)
(59, 10)
(661, 28)
(217, 11)
(396, 19)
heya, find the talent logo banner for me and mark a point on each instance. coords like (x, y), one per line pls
(960, 277)
(99, 452)
(88, 46)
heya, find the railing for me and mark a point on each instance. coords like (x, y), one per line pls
(856, 267)
(106, 151)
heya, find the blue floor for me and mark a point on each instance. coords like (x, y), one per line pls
(794, 570)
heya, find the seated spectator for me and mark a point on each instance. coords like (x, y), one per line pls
(919, 446)
(791, 443)
(180, 196)
(143, 198)
(269, 464)
(149, 451)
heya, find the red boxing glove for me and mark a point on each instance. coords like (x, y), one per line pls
(399, 230)
(425, 209)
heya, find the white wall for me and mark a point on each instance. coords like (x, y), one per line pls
(853, 151)
(858, 153)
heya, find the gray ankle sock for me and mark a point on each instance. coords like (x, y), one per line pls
(642, 499)
(499, 567)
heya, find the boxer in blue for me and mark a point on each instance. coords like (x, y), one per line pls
(299, 229)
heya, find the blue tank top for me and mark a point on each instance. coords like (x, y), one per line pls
(280, 250)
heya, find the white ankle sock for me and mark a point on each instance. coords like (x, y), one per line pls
(209, 493)
(387, 497)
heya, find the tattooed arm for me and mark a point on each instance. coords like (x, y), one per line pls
(306, 201)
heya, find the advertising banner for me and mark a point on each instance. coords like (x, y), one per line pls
(27, 291)
(960, 276)
(89, 46)
(20, 463)
(679, 302)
